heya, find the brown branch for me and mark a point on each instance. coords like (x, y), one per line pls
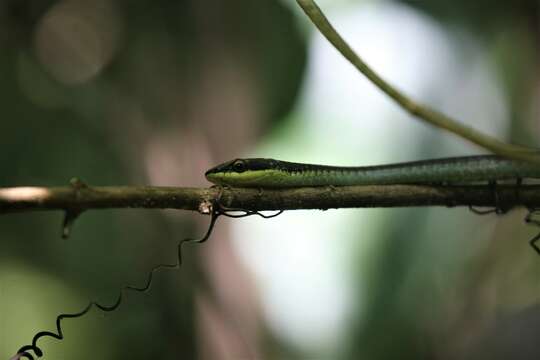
(77, 198)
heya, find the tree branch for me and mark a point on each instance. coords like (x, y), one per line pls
(74, 199)
(418, 110)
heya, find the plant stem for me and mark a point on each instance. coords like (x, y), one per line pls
(420, 111)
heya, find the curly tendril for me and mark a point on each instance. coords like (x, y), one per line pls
(529, 219)
(217, 211)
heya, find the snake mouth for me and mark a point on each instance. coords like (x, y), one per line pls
(256, 178)
(219, 168)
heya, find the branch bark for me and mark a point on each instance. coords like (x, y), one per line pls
(76, 199)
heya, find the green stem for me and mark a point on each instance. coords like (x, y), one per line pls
(420, 111)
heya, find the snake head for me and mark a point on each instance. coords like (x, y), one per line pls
(243, 172)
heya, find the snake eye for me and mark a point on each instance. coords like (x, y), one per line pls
(239, 166)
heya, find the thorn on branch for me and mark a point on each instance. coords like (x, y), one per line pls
(72, 214)
(69, 218)
(77, 184)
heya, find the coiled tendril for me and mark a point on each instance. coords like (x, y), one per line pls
(530, 220)
(216, 211)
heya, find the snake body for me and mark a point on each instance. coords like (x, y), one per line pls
(270, 173)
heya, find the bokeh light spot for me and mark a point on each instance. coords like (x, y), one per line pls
(75, 40)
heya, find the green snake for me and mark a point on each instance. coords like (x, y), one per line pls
(270, 173)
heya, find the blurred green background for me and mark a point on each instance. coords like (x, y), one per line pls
(121, 92)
